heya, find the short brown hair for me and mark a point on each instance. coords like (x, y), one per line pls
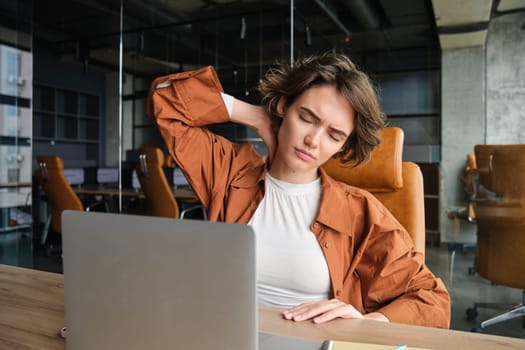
(336, 70)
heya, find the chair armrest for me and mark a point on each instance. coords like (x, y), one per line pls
(192, 208)
(96, 204)
(490, 195)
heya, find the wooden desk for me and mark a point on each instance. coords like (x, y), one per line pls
(109, 191)
(512, 211)
(106, 191)
(31, 309)
(32, 312)
(16, 185)
(185, 194)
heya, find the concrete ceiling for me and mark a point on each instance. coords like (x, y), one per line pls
(162, 36)
(465, 23)
(166, 35)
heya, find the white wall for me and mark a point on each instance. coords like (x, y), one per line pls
(483, 101)
(506, 80)
(112, 118)
(462, 122)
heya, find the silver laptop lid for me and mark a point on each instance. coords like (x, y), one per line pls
(137, 282)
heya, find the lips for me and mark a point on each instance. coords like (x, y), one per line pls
(304, 155)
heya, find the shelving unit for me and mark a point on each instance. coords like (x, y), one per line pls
(15, 137)
(67, 117)
(431, 178)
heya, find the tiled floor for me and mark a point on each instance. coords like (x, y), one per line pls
(19, 249)
(465, 289)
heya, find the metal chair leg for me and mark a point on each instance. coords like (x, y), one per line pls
(45, 231)
(519, 312)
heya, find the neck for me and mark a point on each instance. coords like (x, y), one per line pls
(279, 170)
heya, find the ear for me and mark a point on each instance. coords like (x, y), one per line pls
(281, 106)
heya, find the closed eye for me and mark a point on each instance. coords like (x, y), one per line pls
(309, 116)
(337, 135)
(306, 118)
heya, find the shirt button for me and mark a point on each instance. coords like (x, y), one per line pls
(338, 293)
(327, 245)
(316, 225)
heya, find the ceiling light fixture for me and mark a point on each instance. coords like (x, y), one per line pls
(140, 41)
(243, 27)
(308, 36)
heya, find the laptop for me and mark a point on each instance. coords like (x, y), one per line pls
(138, 282)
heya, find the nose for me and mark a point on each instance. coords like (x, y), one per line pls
(312, 138)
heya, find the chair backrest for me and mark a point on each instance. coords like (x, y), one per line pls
(500, 247)
(501, 167)
(470, 177)
(483, 155)
(507, 169)
(397, 184)
(471, 161)
(160, 200)
(60, 195)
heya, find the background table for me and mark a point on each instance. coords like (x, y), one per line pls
(181, 193)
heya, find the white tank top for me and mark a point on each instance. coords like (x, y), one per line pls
(291, 268)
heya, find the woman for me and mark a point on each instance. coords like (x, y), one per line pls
(324, 249)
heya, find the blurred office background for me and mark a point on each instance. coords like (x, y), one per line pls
(75, 74)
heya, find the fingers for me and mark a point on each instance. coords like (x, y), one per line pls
(344, 311)
(322, 311)
(309, 310)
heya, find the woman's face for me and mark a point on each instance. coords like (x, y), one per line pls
(314, 128)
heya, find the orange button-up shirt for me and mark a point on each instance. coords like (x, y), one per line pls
(370, 256)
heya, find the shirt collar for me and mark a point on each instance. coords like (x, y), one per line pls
(334, 210)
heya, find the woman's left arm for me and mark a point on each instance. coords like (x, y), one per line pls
(420, 298)
(396, 282)
(417, 297)
(327, 310)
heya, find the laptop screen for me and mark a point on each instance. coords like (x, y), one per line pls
(138, 282)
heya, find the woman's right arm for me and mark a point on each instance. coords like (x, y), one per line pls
(258, 119)
(181, 105)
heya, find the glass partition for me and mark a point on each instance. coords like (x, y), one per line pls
(187, 36)
(16, 128)
(91, 70)
(88, 74)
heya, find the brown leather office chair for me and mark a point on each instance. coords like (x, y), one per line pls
(160, 200)
(470, 176)
(484, 161)
(60, 195)
(500, 251)
(397, 184)
(470, 179)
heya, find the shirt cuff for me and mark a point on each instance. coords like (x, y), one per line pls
(228, 102)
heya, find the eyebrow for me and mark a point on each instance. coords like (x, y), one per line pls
(315, 116)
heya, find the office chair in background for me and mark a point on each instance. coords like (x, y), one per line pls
(160, 199)
(500, 252)
(397, 184)
(60, 195)
(485, 186)
(463, 213)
